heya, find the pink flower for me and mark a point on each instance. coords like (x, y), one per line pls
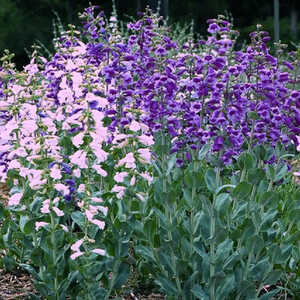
(38, 225)
(119, 177)
(79, 50)
(15, 199)
(55, 172)
(35, 179)
(146, 140)
(4, 105)
(99, 223)
(147, 177)
(58, 212)
(14, 164)
(45, 207)
(81, 188)
(99, 170)
(77, 140)
(132, 180)
(75, 247)
(99, 251)
(89, 214)
(62, 188)
(77, 173)
(79, 159)
(140, 196)
(64, 227)
(97, 116)
(120, 190)
(70, 65)
(134, 126)
(100, 154)
(29, 125)
(97, 200)
(128, 160)
(65, 96)
(76, 254)
(103, 209)
(145, 154)
(102, 102)
(24, 172)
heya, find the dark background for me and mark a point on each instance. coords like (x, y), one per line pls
(24, 22)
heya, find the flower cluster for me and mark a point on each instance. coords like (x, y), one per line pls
(199, 92)
(91, 111)
(60, 141)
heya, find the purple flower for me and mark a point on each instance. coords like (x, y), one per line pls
(213, 28)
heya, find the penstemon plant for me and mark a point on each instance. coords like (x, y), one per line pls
(137, 155)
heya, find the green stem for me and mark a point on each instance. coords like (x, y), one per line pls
(243, 175)
(212, 242)
(53, 242)
(251, 199)
(270, 185)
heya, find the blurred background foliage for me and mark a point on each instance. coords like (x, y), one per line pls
(23, 23)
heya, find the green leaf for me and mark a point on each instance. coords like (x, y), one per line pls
(270, 172)
(100, 293)
(273, 277)
(223, 201)
(230, 261)
(211, 180)
(241, 191)
(247, 161)
(30, 270)
(285, 253)
(260, 152)
(9, 262)
(36, 257)
(226, 286)
(223, 250)
(165, 261)
(270, 197)
(145, 252)
(26, 224)
(247, 290)
(199, 293)
(204, 225)
(187, 194)
(36, 204)
(64, 285)
(259, 270)
(268, 218)
(294, 215)
(167, 285)
(187, 288)
(161, 217)
(171, 164)
(256, 243)
(79, 218)
(281, 173)
(240, 210)
(256, 175)
(270, 295)
(203, 151)
(122, 275)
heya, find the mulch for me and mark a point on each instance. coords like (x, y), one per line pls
(15, 286)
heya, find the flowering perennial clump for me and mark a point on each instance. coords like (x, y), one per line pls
(89, 127)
